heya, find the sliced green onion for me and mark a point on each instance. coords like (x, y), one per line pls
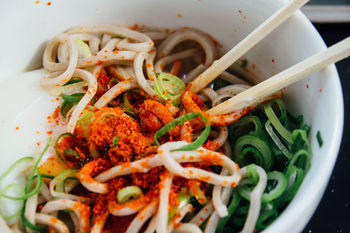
(295, 177)
(62, 177)
(36, 170)
(184, 198)
(179, 121)
(83, 48)
(278, 189)
(252, 173)
(115, 141)
(169, 87)
(236, 199)
(84, 121)
(12, 190)
(16, 168)
(261, 150)
(301, 159)
(56, 144)
(272, 194)
(276, 140)
(300, 140)
(126, 102)
(69, 101)
(250, 119)
(72, 81)
(285, 133)
(28, 186)
(128, 193)
(319, 138)
(266, 217)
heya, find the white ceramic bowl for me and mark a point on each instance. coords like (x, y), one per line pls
(26, 26)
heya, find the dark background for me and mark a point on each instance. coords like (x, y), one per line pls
(333, 213)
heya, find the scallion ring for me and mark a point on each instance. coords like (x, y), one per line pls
(169, 87)
(128, 193)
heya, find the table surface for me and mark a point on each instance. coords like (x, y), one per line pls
(333, 212)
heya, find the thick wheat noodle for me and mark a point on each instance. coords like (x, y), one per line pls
(231, 78)
(162, 212)
(99, 223)
(169, 161)
(227, 149)
(142, 217)
(114, 92)
(62, 53)
(94, 41)
(210, 93)
(92, 88)
(188, 228)
(155, 33)
(79, 209)
(219, 99)
(140, 78)
(215, 217)
(218, 199)
(121, 73)
(150, 64)
(179, 215)
(75, 221)
(194, 73)
(74, 62)
(232, 90)
(110, 45)
(203, 214)
(51, 221)
(30, 208)
(189, 34)
(58, 79)
(151, 228)
(255, 199)
(105, 38)
(145, 44)
(161, 63)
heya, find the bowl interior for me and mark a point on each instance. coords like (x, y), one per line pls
(318, 97)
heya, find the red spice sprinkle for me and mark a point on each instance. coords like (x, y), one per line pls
(48, 3)
(321, 90)
(273, 60)
(307, 85)
(239, 11)
(17, 127)
(49, 132)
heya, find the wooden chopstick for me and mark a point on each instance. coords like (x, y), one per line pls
(247, 43)
(259, 92)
